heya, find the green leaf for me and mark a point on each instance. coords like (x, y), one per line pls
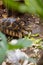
(3, 47)
(22, 43)
(34, 7)
(15, 5)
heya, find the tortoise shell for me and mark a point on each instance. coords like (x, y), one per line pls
(14, 27)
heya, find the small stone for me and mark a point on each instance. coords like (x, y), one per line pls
(36, 51)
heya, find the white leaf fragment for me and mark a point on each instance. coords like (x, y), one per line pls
(14, 41)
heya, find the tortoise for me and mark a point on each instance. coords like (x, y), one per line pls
(14, 28)
(17, 26)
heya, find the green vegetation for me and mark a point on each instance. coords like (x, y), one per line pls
(22, 43)
(30, 6)
(3, 47)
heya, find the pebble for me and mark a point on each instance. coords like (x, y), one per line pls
(36, 50)
(31, 63)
